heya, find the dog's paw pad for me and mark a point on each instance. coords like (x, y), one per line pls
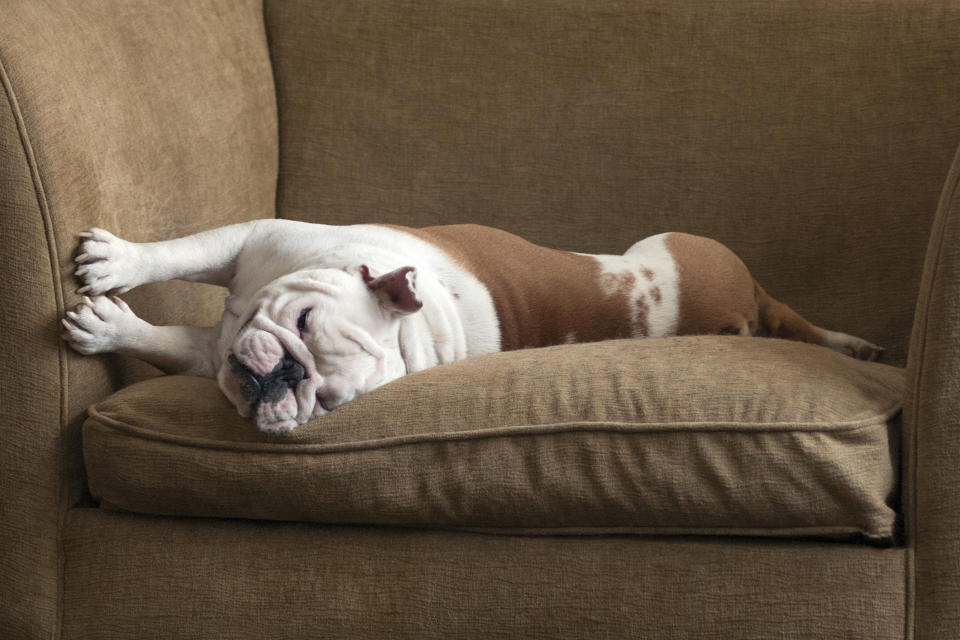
(99, 324)
(105, 263)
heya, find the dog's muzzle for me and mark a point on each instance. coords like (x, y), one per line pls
(269, 388)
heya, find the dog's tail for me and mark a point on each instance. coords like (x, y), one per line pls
(777, 320)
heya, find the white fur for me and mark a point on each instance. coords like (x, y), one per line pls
(355, 337)
(647, 256)
(276, 269)
(273, 268)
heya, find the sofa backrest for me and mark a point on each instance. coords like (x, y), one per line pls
(811, 137)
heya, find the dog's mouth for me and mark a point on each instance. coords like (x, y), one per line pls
(272, 376)
(269, 373)
(275, 400)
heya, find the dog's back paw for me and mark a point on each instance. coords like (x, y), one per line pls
(853, 346)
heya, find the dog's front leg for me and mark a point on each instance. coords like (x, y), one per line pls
(106, 324)
(108, 264)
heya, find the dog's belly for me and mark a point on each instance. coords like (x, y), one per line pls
(546, 296)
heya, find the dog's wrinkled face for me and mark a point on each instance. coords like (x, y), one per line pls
(314, 340)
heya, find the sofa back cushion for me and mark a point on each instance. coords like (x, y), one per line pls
(811, 137)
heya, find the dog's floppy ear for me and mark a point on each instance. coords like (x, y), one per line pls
(396, 291)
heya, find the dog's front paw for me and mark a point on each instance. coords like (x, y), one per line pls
(101, 324)
(106, 263)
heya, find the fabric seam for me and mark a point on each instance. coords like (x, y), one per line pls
(830, 532)
(455, 436)
(54, 257)
(940, 228)
(276, 102)
(774, 532)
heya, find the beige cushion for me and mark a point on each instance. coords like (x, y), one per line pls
(701, 435)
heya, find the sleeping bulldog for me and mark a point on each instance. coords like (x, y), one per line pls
(318, 315)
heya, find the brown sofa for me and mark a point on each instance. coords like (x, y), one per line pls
(715, 487)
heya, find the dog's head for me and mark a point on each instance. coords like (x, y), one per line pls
(314, 340)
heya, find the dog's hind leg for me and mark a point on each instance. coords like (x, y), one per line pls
(780, 321)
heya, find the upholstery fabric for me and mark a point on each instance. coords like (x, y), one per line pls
(932, 490)
(708, 435)
(170, 578)
(811, 137)
(152, 120)
(30, 396)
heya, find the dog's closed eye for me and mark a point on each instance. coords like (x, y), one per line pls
(302, 320)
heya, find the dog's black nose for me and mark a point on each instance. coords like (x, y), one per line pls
(269, 388)
(287, 374)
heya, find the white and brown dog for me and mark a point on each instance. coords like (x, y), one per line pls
(318, 315)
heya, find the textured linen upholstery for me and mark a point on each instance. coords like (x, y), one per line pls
(932, 485)
(813, 137)
(686, 435)
(587, 125)
(152, 120)
(240, 578)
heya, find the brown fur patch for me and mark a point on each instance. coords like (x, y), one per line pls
(716, 291)
(621, 282)
(541, 295)
(718, 295)
(780, 321)
(643, 310)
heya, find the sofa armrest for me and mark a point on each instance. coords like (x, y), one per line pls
(151, 119)
(932, 437)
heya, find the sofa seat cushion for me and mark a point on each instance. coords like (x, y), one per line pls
(692, 435)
